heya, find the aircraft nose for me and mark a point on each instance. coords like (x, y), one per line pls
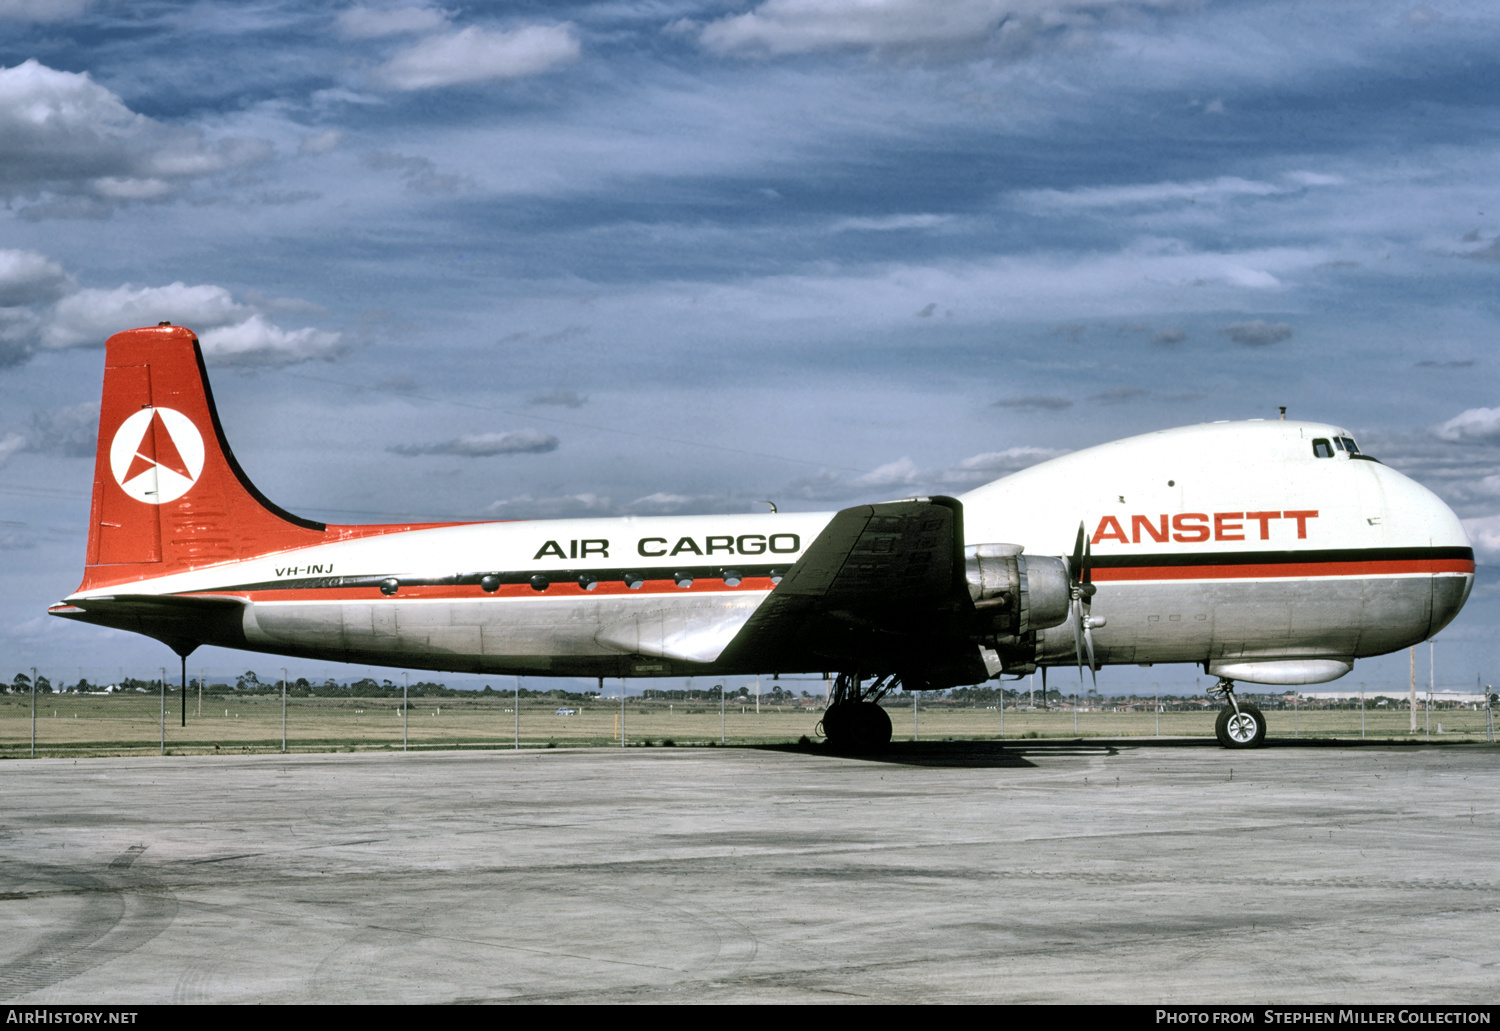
(1453, 569)
(1449, 592)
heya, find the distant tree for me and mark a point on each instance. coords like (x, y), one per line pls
(247, 681)
(43, 685)
(21, 683)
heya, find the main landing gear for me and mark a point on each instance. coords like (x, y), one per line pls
(854, 720)
(1240, 724)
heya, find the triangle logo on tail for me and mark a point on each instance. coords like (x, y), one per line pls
(156, 455)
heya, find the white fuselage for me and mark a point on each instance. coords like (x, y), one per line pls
(1211, 543)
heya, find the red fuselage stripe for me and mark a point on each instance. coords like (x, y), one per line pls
(1281, 570)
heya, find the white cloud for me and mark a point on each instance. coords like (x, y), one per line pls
(801, 26)
(11, 444)
(65, 134)
(777, 27)
(27, 277)
(1474, 424)
(575, 505)
(484, 445)
(88, 317)
(18, 332)
(1150, 193)
(1257, 332)
(1304, 178)
(1484, 533)
(561, 398)
(478, 54)
(259, 342)
(373, 22)
(890, 223)
(905, 478)
(662, 503)
(564, 507)
(321, 143)
(900, 473)
(229, 331)
(71, 431)
(41, 10)
(1149, 277)
(994, 464)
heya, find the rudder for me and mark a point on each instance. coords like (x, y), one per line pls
(169, 495)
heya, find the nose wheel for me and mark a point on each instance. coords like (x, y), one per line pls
(1240, 724)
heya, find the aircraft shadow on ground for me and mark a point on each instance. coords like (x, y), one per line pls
(972, 754)
(1013, 753)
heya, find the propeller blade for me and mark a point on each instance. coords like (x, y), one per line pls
(1088, 643)
(1088, 561)
(1075, 564)
(1075, 616)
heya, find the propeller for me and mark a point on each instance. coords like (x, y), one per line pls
(1081, 589)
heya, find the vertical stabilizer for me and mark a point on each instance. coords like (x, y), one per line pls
(168, 493)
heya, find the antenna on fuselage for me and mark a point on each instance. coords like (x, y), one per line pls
(1283, 412)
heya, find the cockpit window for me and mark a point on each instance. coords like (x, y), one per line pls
(1322, 449)
(1349, 445)
(1338, 443)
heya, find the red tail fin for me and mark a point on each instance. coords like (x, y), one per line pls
(168, 494)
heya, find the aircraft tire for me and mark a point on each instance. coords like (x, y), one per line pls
(857, 727)
(1247, 729)
(874, 727)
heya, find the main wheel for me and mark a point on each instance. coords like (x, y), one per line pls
(1243, 729)
(857, 727)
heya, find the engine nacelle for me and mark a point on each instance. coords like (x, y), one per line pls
(1015, 593)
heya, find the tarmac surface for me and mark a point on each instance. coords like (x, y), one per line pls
(946, 872)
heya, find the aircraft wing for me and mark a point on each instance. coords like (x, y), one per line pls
(881, 590)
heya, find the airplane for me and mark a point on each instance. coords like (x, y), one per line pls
(1264, 551)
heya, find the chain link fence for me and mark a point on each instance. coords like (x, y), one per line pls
(247, 715)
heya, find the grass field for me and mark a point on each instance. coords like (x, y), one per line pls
(120, 724)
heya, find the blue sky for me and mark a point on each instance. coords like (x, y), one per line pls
(516, 259)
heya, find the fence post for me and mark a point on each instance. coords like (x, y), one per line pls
(163, 710)
(33, 712)
(283, 710)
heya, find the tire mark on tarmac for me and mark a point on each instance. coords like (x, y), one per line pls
(122, 909)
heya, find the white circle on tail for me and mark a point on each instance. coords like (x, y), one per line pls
(157, 455)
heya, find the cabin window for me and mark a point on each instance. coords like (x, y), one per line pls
(1322, 449)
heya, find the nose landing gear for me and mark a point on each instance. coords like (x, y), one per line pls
(1240, 724)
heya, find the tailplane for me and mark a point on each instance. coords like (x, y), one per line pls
(168, 493)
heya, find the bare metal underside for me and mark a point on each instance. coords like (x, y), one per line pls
(635, 636)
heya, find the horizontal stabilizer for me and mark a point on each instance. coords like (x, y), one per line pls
(182, 622)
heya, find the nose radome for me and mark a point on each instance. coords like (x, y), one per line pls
(1448, 596)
